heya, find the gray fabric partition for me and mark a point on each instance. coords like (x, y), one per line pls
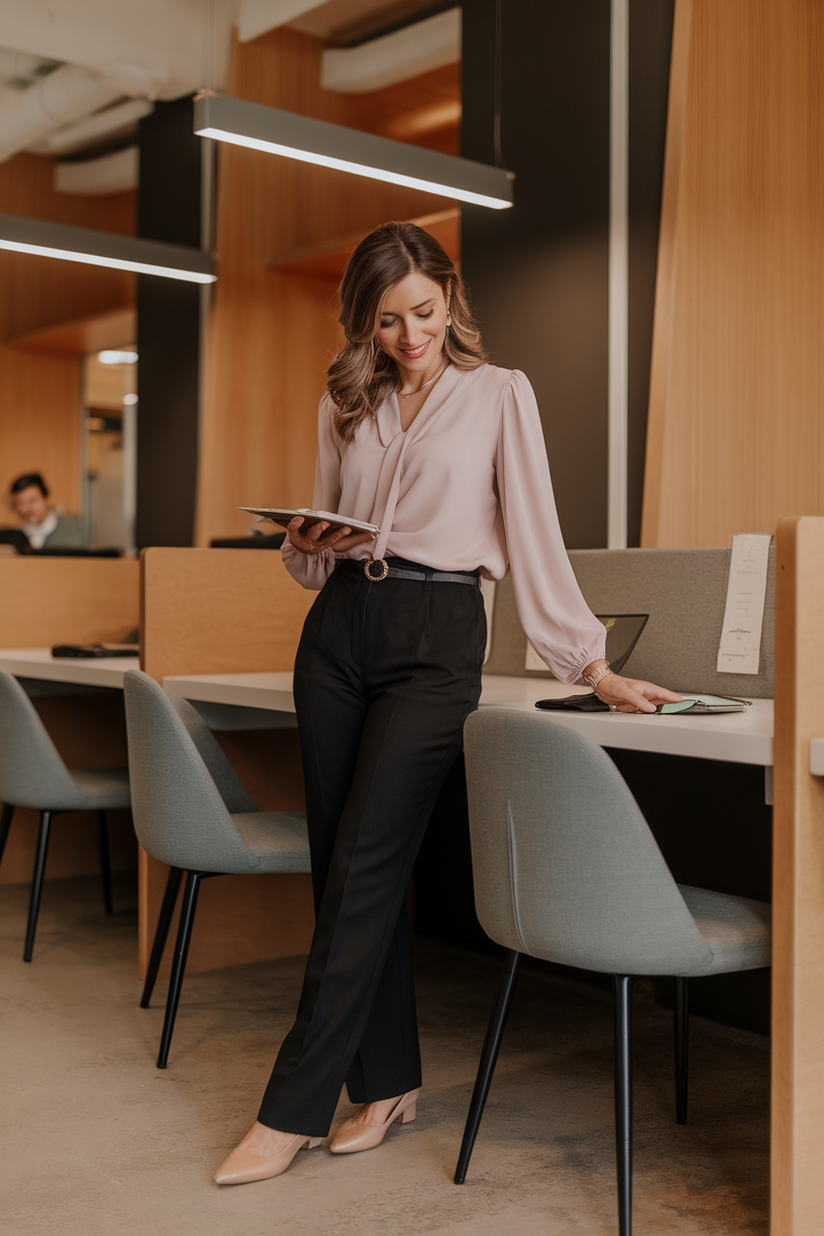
(684, 592)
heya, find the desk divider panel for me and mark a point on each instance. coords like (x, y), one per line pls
(684, 591)
(798, 885)
(218, 611)
(47, 601)
(224, 611)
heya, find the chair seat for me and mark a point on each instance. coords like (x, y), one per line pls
(737, 929)
(101, 788)
(278, 838)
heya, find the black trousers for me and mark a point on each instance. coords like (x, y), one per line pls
(385, 676)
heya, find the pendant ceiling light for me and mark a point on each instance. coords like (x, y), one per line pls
(332, 145)
(80, 244)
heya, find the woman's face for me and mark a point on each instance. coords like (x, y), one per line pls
(413, 326)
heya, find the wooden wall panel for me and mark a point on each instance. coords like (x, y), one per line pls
(272, 334)
(735, 425)
(39, 292)
(40, 396)
(798, 886)
(39, 424)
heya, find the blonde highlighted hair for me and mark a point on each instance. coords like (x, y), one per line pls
(362, 375)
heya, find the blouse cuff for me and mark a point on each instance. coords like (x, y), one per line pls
(310, 571)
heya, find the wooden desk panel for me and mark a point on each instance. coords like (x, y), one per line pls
(225, 611)
(67, 600)
(218, 611)
(798, 885)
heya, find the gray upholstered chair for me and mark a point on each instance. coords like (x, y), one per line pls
(191, 811)
(32, 774)
(566, 869)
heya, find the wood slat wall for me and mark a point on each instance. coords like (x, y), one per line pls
(735, 425)
(272, 333)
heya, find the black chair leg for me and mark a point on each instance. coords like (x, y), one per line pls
(5, 825)
(105, 861)
(37, 882)
(184, 935)
(682, 1044)
(622, 986)
(489, 1057)
(164, 920)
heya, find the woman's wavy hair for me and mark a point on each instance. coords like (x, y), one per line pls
(362, 375)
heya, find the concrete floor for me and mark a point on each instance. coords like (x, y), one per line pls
(97, 1141)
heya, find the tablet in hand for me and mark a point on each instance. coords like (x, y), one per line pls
(284, 517)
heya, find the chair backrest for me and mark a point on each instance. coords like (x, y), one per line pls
(179, 814)
(565, 865)
(229, 785)
(32, 773)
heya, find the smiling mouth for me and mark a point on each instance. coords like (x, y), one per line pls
(413, 352)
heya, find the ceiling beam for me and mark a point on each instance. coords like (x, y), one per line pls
(396, 57)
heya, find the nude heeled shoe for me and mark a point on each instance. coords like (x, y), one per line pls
(242, 1167)
(351, 1136)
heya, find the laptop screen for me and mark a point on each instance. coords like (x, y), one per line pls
(623, 633)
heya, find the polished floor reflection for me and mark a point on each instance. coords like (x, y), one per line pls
(96, 1141)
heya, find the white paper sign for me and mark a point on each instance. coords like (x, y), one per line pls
(740, 647)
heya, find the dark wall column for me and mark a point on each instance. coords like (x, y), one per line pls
(168, 331)
(538, 273)
(650, 46)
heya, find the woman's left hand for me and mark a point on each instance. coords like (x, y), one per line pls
(633, 695)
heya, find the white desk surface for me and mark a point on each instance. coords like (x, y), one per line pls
(87, 671)
(742, 738)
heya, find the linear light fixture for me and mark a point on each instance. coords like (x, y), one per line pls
(80, 244)
(332, 145)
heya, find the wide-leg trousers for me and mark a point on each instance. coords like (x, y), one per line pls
(385, 676)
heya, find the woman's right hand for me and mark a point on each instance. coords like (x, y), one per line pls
(314, 542)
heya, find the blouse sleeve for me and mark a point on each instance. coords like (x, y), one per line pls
(553, 613)
(313, 570)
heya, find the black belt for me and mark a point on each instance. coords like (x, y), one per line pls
(376, 570)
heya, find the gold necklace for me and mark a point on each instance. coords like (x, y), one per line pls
(423, 385)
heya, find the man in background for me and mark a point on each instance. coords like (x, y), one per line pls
(42, 523)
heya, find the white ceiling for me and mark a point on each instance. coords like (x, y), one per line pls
(65, 61)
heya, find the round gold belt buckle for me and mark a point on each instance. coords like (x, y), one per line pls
(381, 564)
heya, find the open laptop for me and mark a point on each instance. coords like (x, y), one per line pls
(623, 633)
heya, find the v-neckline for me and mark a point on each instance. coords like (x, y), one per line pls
(389, 414)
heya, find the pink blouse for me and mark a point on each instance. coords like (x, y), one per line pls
(466, 486)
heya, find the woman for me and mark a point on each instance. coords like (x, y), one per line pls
(445, 453)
